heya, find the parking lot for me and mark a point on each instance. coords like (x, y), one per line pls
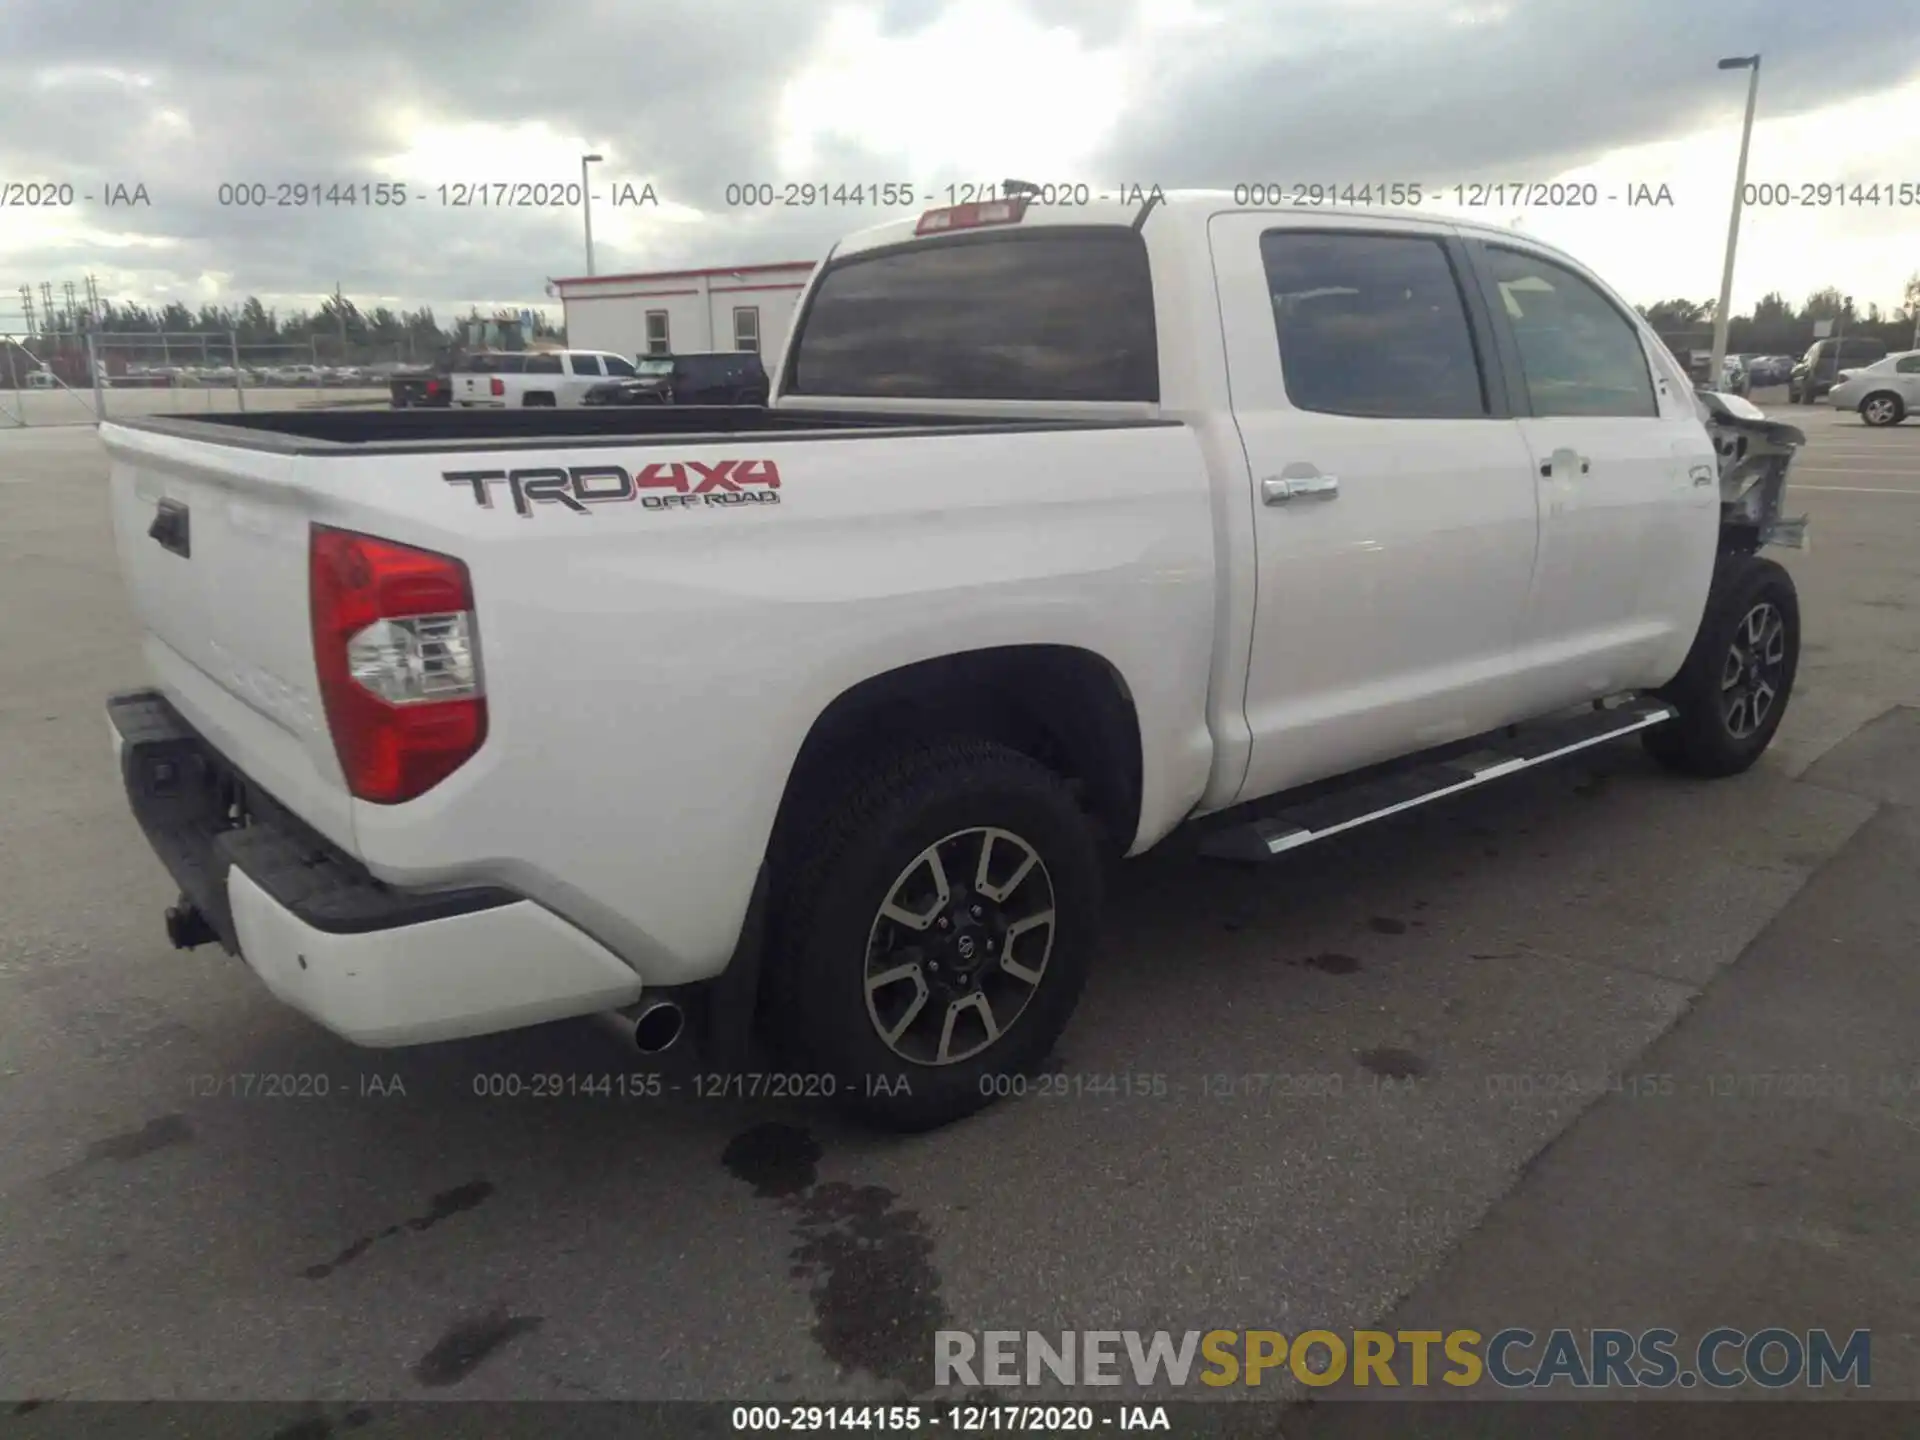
(35, 409)
(1441, 1007)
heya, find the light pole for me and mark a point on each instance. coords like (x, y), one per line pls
(586, 204)
(1720, 316)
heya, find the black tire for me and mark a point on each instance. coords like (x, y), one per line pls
(538, 400)
(828, 922)
(1752, 610)
(1882, 408)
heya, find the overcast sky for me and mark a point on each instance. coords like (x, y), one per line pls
(690, 96)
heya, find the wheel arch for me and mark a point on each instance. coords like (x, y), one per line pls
(1063, 705)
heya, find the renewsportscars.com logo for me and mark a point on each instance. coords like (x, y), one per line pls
(665, 485)
(1512, 1359)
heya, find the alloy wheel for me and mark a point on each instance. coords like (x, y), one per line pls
(1753, 671)
(960, 946)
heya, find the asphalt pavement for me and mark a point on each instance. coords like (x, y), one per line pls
(1350, 1079)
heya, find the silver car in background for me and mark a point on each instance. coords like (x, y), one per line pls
(1884, 393)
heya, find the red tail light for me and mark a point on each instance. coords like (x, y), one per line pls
(496, 386)
(395, 646)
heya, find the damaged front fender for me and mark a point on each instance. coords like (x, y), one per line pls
(1755, 454)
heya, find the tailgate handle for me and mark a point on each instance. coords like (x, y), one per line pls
(170, 528)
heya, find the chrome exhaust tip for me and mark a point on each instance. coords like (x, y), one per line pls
(650, 1027)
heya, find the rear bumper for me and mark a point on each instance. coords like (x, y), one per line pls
(376, 965)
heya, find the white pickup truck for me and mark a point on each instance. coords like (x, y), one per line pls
(535, 378)
(1063, 531)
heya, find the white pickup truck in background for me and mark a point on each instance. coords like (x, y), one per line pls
(535, 378)
(1064, 531)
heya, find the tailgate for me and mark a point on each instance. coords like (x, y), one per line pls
(467, 388)
(212, 541)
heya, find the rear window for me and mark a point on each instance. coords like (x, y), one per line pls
(1054, 314)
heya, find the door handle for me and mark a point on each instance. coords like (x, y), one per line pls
(1561, 457)
(1278, 489)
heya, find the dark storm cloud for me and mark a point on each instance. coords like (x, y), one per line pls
(1392, 95)
(686, 94)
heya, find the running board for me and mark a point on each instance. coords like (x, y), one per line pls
(1381, 796)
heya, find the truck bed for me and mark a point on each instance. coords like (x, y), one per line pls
(651, 671)
(364, 432)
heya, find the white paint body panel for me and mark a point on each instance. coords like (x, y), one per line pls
(1627, 538)
(436, 980)
(637, 747)
(651, 675)
(1387, 614)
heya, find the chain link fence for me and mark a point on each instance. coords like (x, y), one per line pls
(43, 383)
(82, 378)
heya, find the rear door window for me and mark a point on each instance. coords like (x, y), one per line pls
(1053, 314)
(586, 364)
(547, 363)
(1372, 325)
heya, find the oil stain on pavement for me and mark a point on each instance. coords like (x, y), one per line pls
(875, 1290)
(777, 1160)
(156, 1134)
(447, 1203)
(1332, 964)
(161, 1133)
(1392, 1064)
(459, 1352)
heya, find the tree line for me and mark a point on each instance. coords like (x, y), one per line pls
(1777, 325)
(254, 324)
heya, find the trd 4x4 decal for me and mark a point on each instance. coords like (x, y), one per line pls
(672, 485)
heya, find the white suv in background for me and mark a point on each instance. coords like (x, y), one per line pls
(1885, 392)
(535, 377)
